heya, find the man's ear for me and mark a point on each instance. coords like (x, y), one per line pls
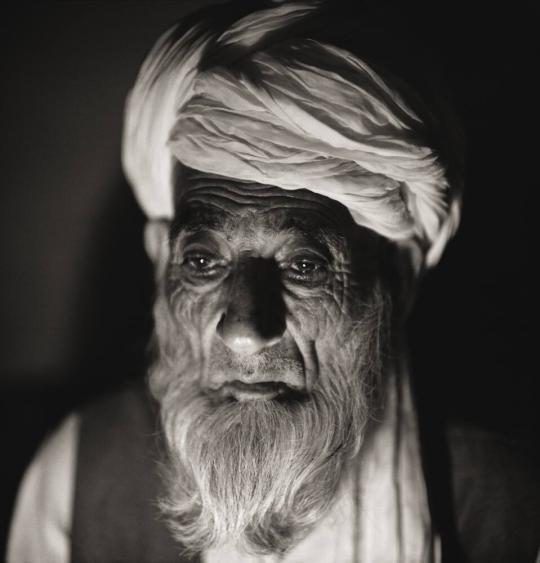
(156, 244)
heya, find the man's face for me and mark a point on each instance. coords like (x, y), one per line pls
(264, 279)
(268, 323)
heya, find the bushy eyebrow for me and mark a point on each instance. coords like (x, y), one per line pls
(316, 231)
(199, 220)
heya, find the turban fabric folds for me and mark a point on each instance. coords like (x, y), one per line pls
(282, 108)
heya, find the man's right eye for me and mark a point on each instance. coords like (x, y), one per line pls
(203, 265)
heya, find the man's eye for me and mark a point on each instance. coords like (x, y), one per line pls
(199, 262)
(202, 264)
(305, 269)
(304, 266)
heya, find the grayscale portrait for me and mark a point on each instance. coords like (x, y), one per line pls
(291, 327)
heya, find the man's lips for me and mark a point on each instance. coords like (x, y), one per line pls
(262, 390)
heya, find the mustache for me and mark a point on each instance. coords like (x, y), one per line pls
(276, 365)
(265, 362)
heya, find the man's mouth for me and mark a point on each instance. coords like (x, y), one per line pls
(262, 390)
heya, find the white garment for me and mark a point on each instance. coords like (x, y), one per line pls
(382, 501)
(41, 522)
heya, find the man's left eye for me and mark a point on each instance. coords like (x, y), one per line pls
(305, 269)
(305, 266)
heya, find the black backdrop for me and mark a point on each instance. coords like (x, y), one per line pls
(76, 286)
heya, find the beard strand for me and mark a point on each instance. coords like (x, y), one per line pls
(261, 474)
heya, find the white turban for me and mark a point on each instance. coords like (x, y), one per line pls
(291, 112)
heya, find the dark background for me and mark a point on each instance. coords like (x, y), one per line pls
(76, 287)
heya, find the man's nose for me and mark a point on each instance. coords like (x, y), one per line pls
(255, 315)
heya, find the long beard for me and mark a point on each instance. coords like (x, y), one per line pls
(261, 474)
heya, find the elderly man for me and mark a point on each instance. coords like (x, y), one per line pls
(295, 192)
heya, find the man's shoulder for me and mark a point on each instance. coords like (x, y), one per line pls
(42, 517)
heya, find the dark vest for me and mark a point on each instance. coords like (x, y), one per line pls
(115, 518)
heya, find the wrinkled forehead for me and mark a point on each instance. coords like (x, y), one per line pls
(232, 207)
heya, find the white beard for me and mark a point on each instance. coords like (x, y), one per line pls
(261, 474)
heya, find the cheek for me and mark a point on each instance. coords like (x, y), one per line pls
(319, 314)
(198, 311)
